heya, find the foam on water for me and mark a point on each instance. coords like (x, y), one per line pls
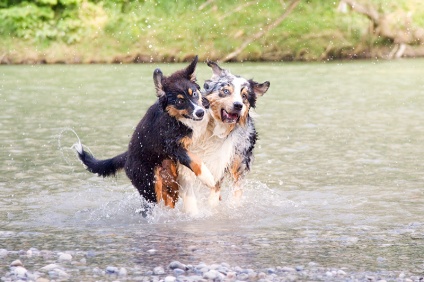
(104, 203)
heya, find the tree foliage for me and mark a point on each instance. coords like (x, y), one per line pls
(66, 20)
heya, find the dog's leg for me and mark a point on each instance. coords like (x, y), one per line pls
(236, 170)
(215, 196)
(190, 201)
(143, 179)
(201, 171)
(237, 194)
(193, 162)
(169, 186)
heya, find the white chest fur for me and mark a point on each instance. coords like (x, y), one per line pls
(215, 148)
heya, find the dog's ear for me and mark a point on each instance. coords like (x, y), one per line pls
(189, 71)
(259, 88)
(205, 102)
(217, 71)
(208, 86)
(157, 78)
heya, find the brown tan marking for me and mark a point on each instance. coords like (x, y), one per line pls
(195, 164)
(172, 111)
(229, 87)
(170, 188)
(166, 186)
(244, 91)
(185, 142)
(180, 96)
(235, 168)
(190, 91)
(243, 118)
(158, 184)
(216, 104)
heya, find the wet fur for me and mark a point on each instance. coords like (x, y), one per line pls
(225, 145)
(160, 141)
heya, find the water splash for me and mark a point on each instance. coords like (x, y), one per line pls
(74, 148)
(125, 209)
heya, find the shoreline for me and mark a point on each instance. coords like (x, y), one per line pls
(50, 56)
(80, 265)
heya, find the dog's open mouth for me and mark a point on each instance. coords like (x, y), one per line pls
(229, 117)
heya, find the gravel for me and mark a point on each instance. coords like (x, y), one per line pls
(72, 266)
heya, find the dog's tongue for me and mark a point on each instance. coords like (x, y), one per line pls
(229, 116)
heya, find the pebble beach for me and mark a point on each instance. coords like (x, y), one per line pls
(43, 265)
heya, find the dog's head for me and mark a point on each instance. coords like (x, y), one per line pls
(231, 96)
(179, 94)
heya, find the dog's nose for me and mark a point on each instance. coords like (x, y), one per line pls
(237, 106)
(199, 113)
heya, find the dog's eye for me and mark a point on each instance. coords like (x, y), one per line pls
(180, 101)
(226, 91)
(195, 94)
(244, 96)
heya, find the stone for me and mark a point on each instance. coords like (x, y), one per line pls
(211, 274)
(214, 266)
(261, 275)
(20, 272)
(122, 271)
(65, 257)
(3, 253)
(231, 274)
(178, 271)
(300, 268)
(112, 270)
(152, 251)
(158, 270)
(176, 264)
(270, 270)
(204, 270)
(91, 254)
(170, 279)
(292, 278)
(242, 276)
(252, 274)
(61, 273)
(16, 263)
(50, 267)
(226, 265)
(341, 272)
(238, 269)
(288, 269)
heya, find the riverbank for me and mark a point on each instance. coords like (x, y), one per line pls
(63, 54)
(134, 32)
(45, 265)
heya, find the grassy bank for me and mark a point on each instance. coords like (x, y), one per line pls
(82, 31)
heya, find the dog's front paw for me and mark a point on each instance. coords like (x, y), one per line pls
(236, 199)
(190, 205)
(206, 177)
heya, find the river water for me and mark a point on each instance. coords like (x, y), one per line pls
(338, 177)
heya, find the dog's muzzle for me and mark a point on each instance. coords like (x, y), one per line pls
(199, 113)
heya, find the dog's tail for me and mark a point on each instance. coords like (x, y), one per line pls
(101, 167)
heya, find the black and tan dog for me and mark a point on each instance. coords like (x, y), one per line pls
(161, 140)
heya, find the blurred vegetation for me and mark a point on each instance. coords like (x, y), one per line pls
(83, 31)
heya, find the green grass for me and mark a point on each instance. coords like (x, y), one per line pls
(110, 31)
